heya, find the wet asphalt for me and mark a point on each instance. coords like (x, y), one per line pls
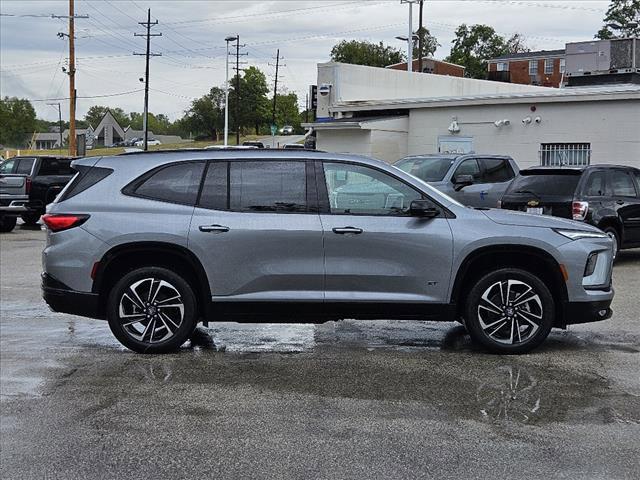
(386, 399)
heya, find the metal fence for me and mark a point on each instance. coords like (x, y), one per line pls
(565, 154)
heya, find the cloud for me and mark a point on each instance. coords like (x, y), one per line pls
(193, 48)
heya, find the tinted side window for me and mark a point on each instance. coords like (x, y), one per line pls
(596, 184)
(496, 170)
(177, 183)
(469, 167)
(268, 186)
(354, 189)
(215, 189)
(636, 173)
(24, 166)
(621, 184)
(56, 166)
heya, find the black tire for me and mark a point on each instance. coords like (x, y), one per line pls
(30, 218)
(615, 236)
(7, 224)
(135, 336)
(531, 321)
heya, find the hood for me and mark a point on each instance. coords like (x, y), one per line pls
(510, 217)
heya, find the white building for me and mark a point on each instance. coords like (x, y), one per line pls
(389, 114)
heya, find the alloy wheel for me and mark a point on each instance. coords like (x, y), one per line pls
(510, 312)
(151, 310)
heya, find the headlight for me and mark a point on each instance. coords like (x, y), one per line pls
(578, 234)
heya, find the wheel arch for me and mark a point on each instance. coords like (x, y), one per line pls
(124, 258)
(532, 259)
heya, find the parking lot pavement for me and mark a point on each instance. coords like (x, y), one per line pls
(387, 399)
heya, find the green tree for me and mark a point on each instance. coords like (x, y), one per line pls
(476, 44)
(429, 43)
(366, 53)
(158, 124)
(205, 115)
(17, 121)
(624, 13)
(96, 112)
(287, 111)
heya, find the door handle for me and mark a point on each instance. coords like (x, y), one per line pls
(213, 228)
(345, 230)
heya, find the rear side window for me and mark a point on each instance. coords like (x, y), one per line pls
(546, 184)
(85, 178)
(621, 184)
(24, 166)
(496, 170)
(597, 184)
(268, 186)
(55, 166)
(178, 183)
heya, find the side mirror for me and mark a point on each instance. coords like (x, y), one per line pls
(461, 181)
(423, 209)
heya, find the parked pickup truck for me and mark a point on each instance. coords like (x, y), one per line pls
(29, 184)
(13, 200)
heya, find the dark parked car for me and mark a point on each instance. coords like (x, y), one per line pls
(606, 196)
(46, 176)
(477, 180)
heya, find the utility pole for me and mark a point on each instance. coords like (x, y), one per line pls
(237, 69)
(275, 89)
(306, 108)
(226, 91)
(148, 24)
(410, 35)
(59, 121)
(420, 37)
(72, 82)
(72, 74)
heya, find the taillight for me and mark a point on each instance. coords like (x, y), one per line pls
(59, 222)
(579, 210)
(27, 186)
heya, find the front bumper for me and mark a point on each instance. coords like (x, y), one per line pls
(586, 312)
(63, 299)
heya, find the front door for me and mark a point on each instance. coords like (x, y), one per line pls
(257, 232)
(623, 190)
(376, 254)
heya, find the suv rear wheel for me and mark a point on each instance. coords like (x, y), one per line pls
(152, 310)
(615, 236)
(509, 311)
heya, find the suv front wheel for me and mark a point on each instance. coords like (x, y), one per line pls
(509, 311)
(152, 310)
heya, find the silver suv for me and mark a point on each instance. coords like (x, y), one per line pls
(157, 242)
(473, 179)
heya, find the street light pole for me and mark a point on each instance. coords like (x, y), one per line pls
(59, 121)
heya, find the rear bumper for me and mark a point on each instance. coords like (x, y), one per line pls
(62, 299)
(15, 207)
(586, 312)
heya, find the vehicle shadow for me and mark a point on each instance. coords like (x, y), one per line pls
(628, 257)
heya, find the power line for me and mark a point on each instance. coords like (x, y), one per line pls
(85, 96)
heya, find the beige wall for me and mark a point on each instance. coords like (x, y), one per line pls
(612, 128)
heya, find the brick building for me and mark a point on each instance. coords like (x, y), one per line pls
(545, 68)
(431, 65)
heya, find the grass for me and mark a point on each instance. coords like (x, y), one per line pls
(99, 152)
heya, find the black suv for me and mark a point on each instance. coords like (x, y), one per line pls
(46, 177)
(606, 196)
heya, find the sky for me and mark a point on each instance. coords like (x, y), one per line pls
(193, 47)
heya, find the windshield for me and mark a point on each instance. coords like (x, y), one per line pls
(427, 169)
(545, 184)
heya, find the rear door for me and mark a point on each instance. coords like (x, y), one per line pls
(50, 177)
(257, 231)
(625, 195)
